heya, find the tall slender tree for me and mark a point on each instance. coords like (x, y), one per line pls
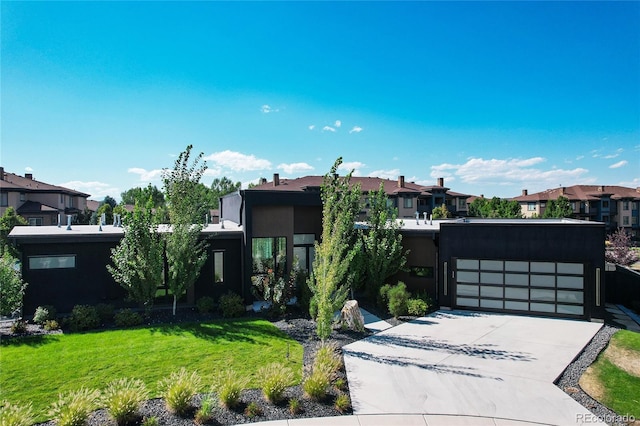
(186, 252)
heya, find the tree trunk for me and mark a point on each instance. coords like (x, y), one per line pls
(175, 302)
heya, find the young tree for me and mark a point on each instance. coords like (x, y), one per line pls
(138, 258)
(619, 250)
(142, 195)
(331, 276)
(561, 207)
(382, 243)
(8, 220)
(495, 208)
(11, 286)
(441, 212)
(186, 253)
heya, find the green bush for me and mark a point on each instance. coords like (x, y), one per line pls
(398, 298)
(340, 384)
(327, 360)
(294, 406)
(342, 403)
(123, 398)
(51, 325)
(16, 415)
(417, 307)
(150, 421)
(206, 411)
(274, 379)
(44, 313)
(127, 318)
(178, 390)
(252, 410)
(83, 317)
(205, 305)
(74, 408)
(105, 312)
(383, 296)
(316, 384)
(19, 327)
(231, 305)
(228, 386)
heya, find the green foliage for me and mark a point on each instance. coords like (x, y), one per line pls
(142, 196)
(51, 325)
(83, 317)
(327, 360)
(205, 304)
(495, 208)
(150, 421)
(206, 411)
(221, 187)
(18, 327)
(332, 274)
(107, 210)
(398, 299)
(558, 208)
(138, 260)
(274, 379)
(417, 307)
(122, 399)
(127, 318)
(315, 385)
(441, 212)
(228, 386)
(383, 296)
(44, 313)
(252, 410)
(12, 287)
(383, 255)
(342, 403)
(105, 312)
(340, 384)
(16, 415)
(231, 305)
(274, 285)
(73, 408)
(178, 390)
(8, 220)
(294, 406)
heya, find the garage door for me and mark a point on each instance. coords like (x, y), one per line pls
(526, 286)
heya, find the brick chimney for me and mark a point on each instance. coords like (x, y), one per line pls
(400, 181)
(1, 173)
(263, 181)
(276, 179)
(440, 181)
(28, 176)
(525, 192)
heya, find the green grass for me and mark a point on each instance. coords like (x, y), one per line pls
(627, 339)
(36, 369)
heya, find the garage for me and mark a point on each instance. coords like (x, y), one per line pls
(520, 285)
(523, 266)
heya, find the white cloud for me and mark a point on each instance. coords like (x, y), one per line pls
(213, 172)
(266, 109)
(311, 127)
(356, 129)
(508, 171)
(338, 123)
(28, 169)
(94, 188)
(328, 129)
(146, 175)
(237, 161)
(295, 167)
(352, 165)
(579, 157)
(385, 174)
(619, 164)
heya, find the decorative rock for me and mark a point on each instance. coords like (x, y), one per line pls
(351, 317)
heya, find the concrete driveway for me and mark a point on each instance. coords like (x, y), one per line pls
(470, 364)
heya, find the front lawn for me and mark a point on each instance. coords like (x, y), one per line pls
(37, 368)
(614, 379)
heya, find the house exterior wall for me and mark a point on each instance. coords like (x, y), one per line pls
(423, 253)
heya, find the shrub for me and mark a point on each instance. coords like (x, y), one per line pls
(206, 410)
(51, 325)
(19, 327)
(16, 415)
(127, 318)
(74, 408)
(150, 421)
(327, 360)
(294, 406)
(252, 410)
(383, 296)
(44, 313)
(274, 379)
(178, 389)
(316, 384)
(105, 312)
(205, 305)
(340, 384)
(231, 305)
(83, 317)
(122, 399)
(342, 403)
(398, 298)
(229, 388)
(417, 307)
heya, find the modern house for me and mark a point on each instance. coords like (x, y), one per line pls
(616, 206)
(38, 202)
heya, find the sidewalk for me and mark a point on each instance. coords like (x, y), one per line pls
(399, 420)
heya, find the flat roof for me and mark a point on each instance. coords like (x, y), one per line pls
(423, 225)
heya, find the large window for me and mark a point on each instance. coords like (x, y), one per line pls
(408, 203)
(4, 199)
(35, 221)
(304, 250)
(52, 262)
(531, 207)
(269, 253)
(625, 205)
(218, 267)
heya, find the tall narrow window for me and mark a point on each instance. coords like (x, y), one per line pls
(269, 254)
(218, 267)
(4, 199)
(304, 250)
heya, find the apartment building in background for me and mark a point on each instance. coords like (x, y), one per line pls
(38, 202)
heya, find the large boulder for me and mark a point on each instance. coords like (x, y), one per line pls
(351, 317)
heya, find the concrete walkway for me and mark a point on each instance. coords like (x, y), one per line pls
(468, 365)
(373, 323)
(399, 420)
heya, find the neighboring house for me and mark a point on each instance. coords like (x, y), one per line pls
(616, 206)
(38, 202)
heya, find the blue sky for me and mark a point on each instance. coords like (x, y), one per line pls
(495, 97)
